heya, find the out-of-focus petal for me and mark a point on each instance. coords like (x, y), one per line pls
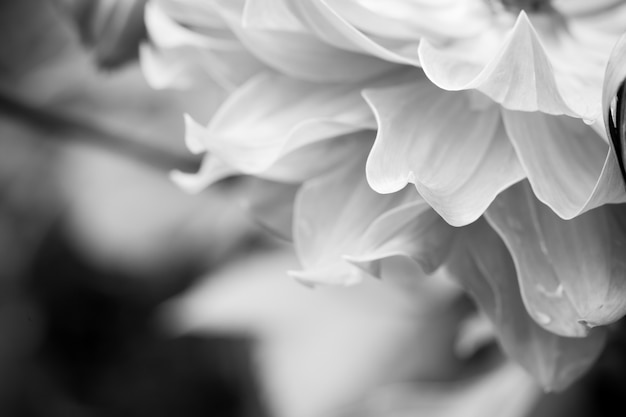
(304, 56)
(331, 215)
(519, 75)
(614, 102)
(457, 156)
(270, 15)
(503, 390)
(572, 273)
(177, 69)
(211, 171)
(166, 33)
(270, 204)
(273, 116)
(217, 52)
(584, 8)
(484, 267)
(569, 166)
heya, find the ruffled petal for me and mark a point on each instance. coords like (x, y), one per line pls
(569, 166)
(332, 214)
(273, 116)
(457, 156)
(518, 75)
(484, 267)
(303, 56)
(572, 273)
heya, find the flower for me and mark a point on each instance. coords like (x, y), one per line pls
(492, 109)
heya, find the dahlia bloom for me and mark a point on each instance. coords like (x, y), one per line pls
(492, 109)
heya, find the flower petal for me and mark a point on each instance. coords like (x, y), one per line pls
(270, 205)
(216, 52)
(519, 75)
(273, 116)
(332, 214)
(270, 15)
(412, 231)
(211, 171)
(458, 157)
(166, 71)
(484, 267)
(327, 24)
(166, 33)
(569, 166)
(301, 55)
(412, 20)
(572, 273)
(584, 8)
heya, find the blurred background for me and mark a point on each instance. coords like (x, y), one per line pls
(120, 295)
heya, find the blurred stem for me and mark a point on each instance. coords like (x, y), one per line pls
(68, 128)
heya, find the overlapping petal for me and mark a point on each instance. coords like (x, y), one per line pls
(411, 232)
(515, 72)
(569, 166)
(410, 20)
(300, 54)
(482, 264)
(272, 117)
(323, 19)
(270, 204)
(544, 281)
(572, 273)
(457, 156)
(339, 218)
(176, 51)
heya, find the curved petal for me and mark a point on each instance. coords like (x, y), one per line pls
(332, 214)
(457, 156)
(166, 33)
(569, 166)
(169, 70)
(518, 75)
(272, 116)
(484, 267)
(326, 23)
(302, 163)
(302, 55)
(211, 171)
(572, 273)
